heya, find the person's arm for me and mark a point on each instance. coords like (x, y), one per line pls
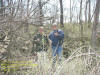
(34, 45)
(50, 42)
(46, 38)
(36, 38)
(61, 35)
(50, 39)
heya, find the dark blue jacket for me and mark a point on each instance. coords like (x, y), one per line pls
(56, 39)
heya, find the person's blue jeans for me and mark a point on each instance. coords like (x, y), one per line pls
(56, 51)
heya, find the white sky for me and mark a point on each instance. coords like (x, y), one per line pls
(66, 5)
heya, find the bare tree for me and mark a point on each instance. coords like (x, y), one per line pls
(2, 10)
(70, 12)
(61, 13)
(95, 23)
(80, 19)
(89, 14)
(40, 13)
(86, 10)
(1, 5)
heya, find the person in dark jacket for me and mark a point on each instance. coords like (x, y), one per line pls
(56, 40)
(40, 41)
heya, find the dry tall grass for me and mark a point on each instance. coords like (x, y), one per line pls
(78, 63)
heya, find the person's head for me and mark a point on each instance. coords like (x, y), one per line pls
(54, 27)
(41, 30)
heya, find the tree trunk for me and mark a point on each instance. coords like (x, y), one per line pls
(86, 11)
(27, 25)
(95, 24)
(89, 14)
(70, 13)
(80, 19)
(1, 5)
(61, 13)
(40, 14)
